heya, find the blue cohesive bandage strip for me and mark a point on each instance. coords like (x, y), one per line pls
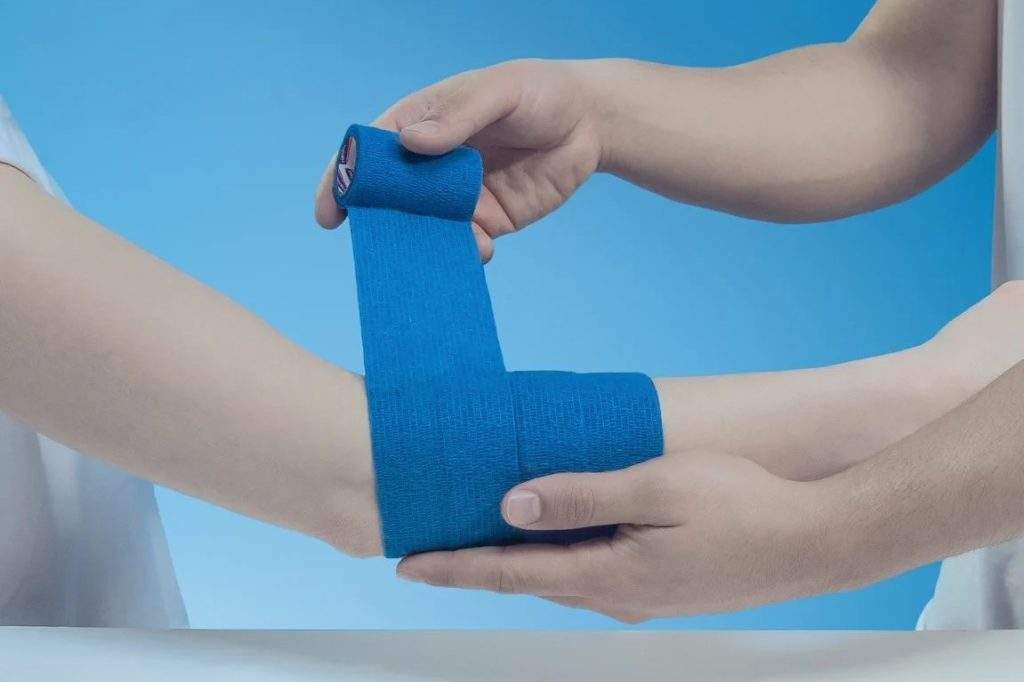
(452, 430)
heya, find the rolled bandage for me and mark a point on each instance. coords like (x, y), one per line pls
(452, 431)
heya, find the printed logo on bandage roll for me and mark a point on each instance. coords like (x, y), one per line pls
(346, 168)
(394, 178)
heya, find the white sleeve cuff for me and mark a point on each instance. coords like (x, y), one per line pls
(16, 151)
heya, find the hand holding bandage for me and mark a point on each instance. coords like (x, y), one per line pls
(451, 430)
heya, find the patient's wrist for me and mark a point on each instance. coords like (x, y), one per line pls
(889, 397)
(940, 380)
(917, 388)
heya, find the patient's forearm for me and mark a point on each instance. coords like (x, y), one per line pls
(809, 423)
(117, 354)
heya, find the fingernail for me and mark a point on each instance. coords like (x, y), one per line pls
(408, 573)
(522, 508)
(423, 128)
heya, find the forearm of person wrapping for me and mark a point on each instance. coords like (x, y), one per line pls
(814, 133)
(953, 486)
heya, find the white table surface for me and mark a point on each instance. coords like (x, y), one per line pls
(81, 654)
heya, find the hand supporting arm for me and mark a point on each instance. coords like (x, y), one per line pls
(707, 533)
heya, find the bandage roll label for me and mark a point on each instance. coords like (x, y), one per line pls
(451, 430)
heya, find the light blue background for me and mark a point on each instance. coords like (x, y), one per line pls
(198, 131)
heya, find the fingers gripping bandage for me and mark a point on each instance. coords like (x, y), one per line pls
(452, 431)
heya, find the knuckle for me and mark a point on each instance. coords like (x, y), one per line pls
(503, 577)
(449, 98)
(409, 109)
(444, 573)
(628, 545)
(507, 580)
(427, 107)
(579, 505)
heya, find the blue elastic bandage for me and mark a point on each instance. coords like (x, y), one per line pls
(452, 431)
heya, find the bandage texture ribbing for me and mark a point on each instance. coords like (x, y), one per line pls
(451, 430)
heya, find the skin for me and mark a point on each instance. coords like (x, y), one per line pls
(171, 381)
(823, 132)
(197, 394)
(809, 135)
(707, 533)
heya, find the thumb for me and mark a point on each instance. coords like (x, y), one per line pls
(455, 110)
(638, 495)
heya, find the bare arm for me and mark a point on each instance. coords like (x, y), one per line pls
(953, 486)
(812, 134)
(114, 353)
(816, 133)
(810, 423)
(117, 354)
